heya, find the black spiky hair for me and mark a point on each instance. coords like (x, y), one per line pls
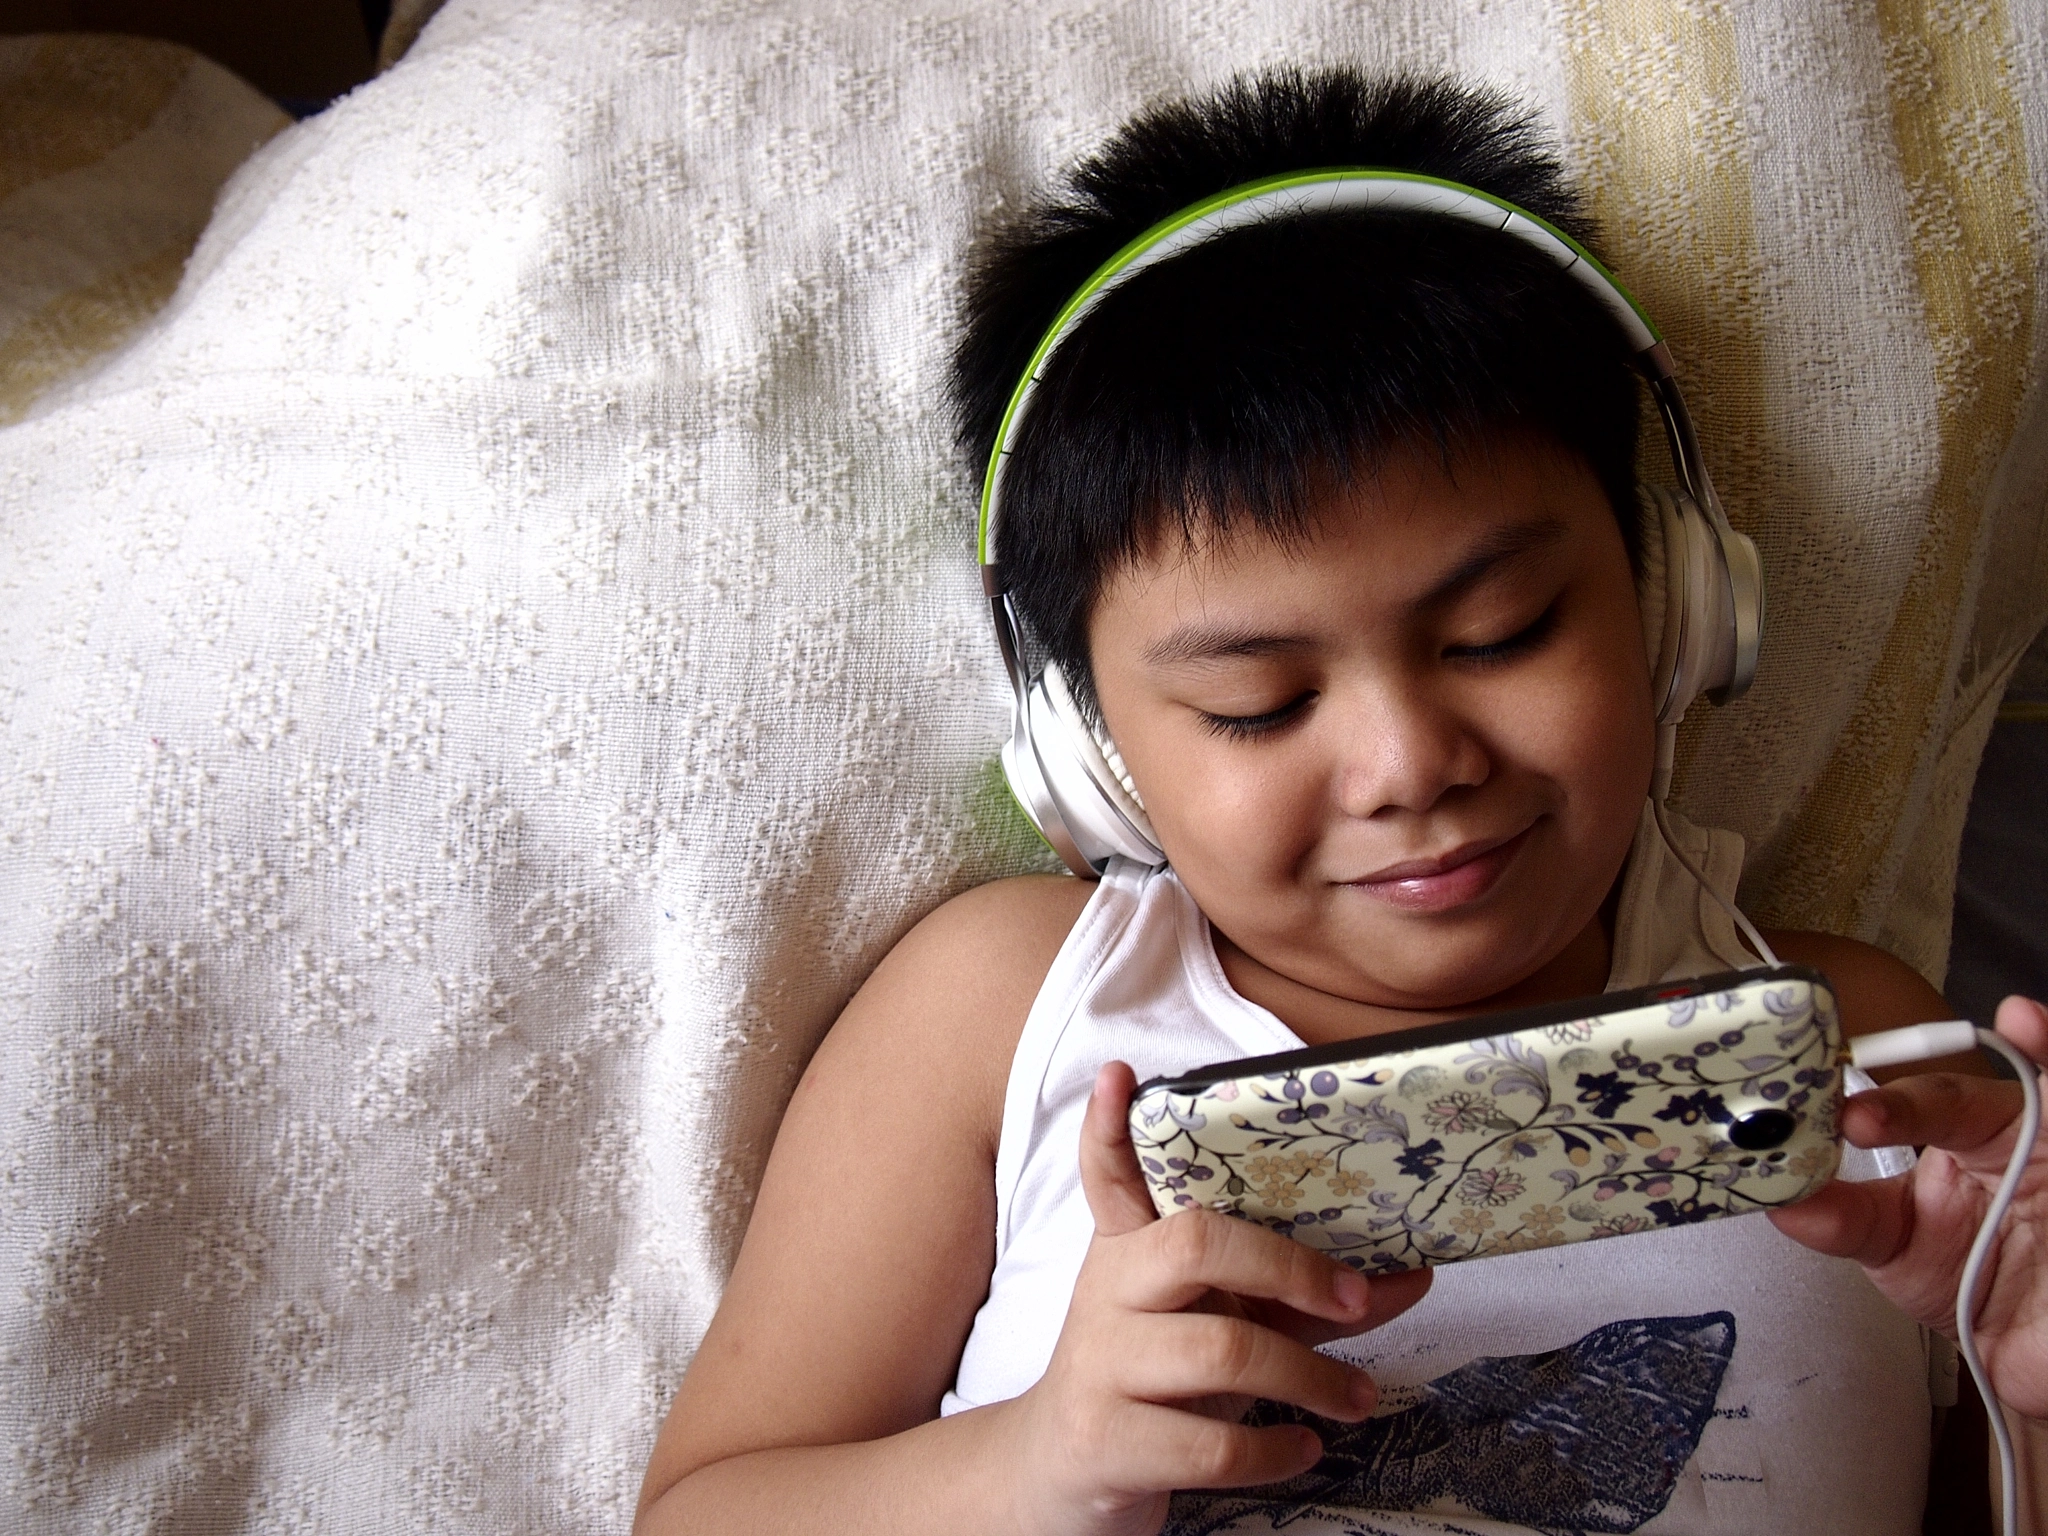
(1233, 382)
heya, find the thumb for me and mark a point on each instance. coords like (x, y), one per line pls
(2025, 1023)
(1110, 1176)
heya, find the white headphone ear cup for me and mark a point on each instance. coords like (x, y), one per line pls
(1697, 648)
(1089, 786)
(1706, 648)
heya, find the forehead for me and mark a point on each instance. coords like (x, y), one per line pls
(1415, 525)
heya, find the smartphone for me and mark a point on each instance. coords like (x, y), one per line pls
(1657, 1107)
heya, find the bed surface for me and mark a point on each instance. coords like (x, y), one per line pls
(488, 668)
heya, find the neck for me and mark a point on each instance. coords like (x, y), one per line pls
(1580, 969)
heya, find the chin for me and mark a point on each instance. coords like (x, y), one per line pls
(1437, 973)
(1432, 994)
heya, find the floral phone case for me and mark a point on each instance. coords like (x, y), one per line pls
(1606, 1115)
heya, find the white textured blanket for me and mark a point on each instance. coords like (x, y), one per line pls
(485, 674)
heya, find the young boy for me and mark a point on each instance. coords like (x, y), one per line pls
(1331, 525)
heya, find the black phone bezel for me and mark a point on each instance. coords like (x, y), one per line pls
(1482, 1026)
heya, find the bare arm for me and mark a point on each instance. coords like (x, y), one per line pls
(870, 1245)
(811, 1404)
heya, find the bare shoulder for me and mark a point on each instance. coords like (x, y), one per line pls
(955, 990)
(1005, 933)
(884, 1162)
(1876, 990)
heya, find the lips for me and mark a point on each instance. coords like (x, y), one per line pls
(1446, 881)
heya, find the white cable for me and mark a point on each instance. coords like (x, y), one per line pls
(1917, 1042)
(1973, 1268)
(1920, 1042)
(1764, 951)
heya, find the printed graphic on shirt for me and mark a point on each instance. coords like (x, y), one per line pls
(1590, 1437)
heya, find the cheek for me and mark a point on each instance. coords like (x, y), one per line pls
(1233, 816)
(1223, 805)
(1589, 729)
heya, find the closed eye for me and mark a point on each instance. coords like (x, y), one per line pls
(1242, 727)
(1518, 644)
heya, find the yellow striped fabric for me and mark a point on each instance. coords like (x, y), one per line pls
(1663, 101)
(1960, 143)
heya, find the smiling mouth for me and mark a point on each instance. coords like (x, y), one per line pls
(1449, 880)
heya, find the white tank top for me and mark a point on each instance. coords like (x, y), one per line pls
(1715, 1378)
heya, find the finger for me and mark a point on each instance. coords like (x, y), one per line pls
(1175, 1356)
(1110, 1175)
(1191, 1252)
(1865, 1222)
(1157, 1448)
(1388, 1297)
(1971, 1117)
(1895, 1229)
(2025, 1023)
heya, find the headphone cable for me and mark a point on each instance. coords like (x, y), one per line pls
(1922, 1042)
(1756, 940)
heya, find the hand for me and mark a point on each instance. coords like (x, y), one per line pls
(1912, 1233)
(1175, 1327)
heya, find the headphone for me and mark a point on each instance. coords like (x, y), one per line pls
(1702, 583)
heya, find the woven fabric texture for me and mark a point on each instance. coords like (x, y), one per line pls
(485, 673)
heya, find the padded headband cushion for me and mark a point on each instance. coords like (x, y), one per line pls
(1110, 770)
(1652, 585)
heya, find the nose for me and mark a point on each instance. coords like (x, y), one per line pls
(1401, 750)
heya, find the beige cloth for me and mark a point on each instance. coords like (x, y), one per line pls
(111, 151)
(402, 29)
(1752, 233)
(486, 672)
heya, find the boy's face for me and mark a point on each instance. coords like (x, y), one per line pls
(1401, 760)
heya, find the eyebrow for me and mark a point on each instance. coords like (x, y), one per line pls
(1200, 642)
(1501, 547)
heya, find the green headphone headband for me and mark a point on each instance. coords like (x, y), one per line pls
(1293, 194)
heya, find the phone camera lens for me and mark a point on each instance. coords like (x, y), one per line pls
(1762, 1128)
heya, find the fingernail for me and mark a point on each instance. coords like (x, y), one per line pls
(1352, 1290)
(1365, 1395)
(1311, 1447)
